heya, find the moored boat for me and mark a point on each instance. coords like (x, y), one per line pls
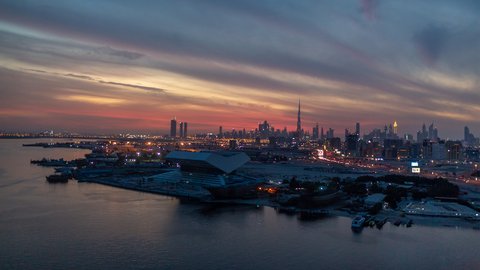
(380, 223)
(57, 178)
(357, 222)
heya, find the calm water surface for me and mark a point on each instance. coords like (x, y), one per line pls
(90, 226)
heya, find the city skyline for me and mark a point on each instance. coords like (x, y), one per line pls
(114, 67)
(314, 131)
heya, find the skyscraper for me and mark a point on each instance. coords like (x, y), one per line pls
(173, 127)
(315, 130)
(469, 138)
(432, 133)
(264, 129)
(181, 129)
(357, 129)
(395, 128)
(330, 133)
(466, 134)
(351, 143)
(184, 129)
(422, 134)
(299, 121)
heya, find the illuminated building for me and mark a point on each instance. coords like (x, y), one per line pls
(264, 129)
(391, 147)
(454, 150)
(403, 153)
(212, 171)
(334, 143)
(173, 128)
(351, 142)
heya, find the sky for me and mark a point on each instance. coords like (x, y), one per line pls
(110, 66)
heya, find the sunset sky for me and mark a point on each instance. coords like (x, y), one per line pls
(130, 66)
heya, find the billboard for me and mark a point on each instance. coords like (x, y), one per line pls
(416, 170)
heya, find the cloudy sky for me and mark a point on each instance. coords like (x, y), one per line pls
(112, 66)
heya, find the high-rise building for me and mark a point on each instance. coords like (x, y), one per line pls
(466, 134)
(439, 151)
(432, 133)
(454, 150)
(469, 138)
(264, 129)
(351, 143)
(408, 137)
(395, 128)
(184, 129)
(173, 127)
(220, 132)
(390, 131)
(299, 121)
(391, 147)
(357, 128)
(181, 129)
(330, 133)
(334, 143)
(423, 134)
(315, 135)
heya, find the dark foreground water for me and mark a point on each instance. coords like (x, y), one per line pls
(90, 226)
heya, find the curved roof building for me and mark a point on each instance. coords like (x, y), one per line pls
(212, 162)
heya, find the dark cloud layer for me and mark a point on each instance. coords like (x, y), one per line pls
(431, 41)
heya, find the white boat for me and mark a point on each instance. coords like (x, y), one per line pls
(357, 222)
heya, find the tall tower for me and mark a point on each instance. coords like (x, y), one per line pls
(181, 130)
(395, 128)
(173, 127)
(299, 121)
(184, 129)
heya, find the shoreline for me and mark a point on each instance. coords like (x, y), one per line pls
(391, 215)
